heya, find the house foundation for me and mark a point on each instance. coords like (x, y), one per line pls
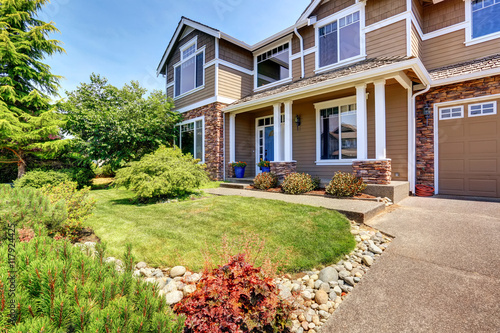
(373, 171)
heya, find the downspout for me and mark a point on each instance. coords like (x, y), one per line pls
(301, 52)
(414, 112)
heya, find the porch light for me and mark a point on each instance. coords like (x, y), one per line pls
(297, 121)
(427, 112)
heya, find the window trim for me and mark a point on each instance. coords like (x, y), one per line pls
(194, 120)
(468, 30)
(482, 103)
(451, 107)
(184, 47)
(270, 47)
(336, 17)
(324, 105)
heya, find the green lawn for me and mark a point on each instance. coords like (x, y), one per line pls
(177, 233)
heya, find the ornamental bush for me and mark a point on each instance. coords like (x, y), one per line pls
(39, 178)
(61, 289)
(345, 185)
(265, 181)
(236, 297)
(297, 183)
(164, 173)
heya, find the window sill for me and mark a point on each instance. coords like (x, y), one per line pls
(189, 92)
(274, 84)
(344, 162)
(340, 64)
(482, 39)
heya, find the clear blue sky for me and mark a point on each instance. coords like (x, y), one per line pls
(124, 40)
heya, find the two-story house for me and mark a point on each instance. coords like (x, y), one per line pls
(394, 90)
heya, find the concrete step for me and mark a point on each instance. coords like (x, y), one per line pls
(247, 181)
(234, 185)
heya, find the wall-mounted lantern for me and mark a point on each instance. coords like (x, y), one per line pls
(427, 112)
(297, 121)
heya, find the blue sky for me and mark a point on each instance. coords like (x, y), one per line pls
(124, 40)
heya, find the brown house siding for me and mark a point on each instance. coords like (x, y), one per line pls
(245, 142)
(331, 7)
(233, 83)
(397, 130)
(310, 63)
(207, 92)
(443, 14)
(308, 36)
(416, 43)
(387, 41)
(382, 9)
(418, 10)
(235, 54)
(450, 49)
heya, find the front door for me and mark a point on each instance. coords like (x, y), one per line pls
(265, 140)
(269, 144)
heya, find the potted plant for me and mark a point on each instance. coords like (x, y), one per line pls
(239, 169)
(265, 166)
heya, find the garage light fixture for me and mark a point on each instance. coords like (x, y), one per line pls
(427, 112)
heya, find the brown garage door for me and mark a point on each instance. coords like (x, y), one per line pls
(469, 151)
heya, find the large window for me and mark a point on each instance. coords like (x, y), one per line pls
(274, 65)
(339, 40)
(337, 130)
(189, 73)
(190, 138)
(485, 14)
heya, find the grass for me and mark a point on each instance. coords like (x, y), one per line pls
(177, 233)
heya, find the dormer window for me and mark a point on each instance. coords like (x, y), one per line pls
(273, 65)
(485, 15)
(189, 71)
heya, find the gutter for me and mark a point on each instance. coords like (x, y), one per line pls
(301, 52)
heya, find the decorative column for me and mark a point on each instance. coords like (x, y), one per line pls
(232, 137)
(277, 132)
(288, 132)
(361, 119)
(380, 127)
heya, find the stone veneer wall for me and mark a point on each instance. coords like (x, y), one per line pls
(214, 137)
(373, 172)
(425, 130)
(281, 169)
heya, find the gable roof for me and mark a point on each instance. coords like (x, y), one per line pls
(312, 6)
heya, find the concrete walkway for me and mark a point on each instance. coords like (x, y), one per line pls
(357, 210)
(440, 274)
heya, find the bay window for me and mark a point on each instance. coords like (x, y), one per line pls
(188, 74)
(191, 138)
(485, 15)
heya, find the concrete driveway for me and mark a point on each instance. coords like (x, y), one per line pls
(440, 274)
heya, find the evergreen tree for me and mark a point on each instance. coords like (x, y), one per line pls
(28, 123)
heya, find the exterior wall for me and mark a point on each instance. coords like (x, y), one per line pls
(443, 14)
(207, 92)
(331, 7)
(233, 83)
(425, 131)
(245, 142)
(373, 172)
(380, 10)
(387, 41)
(235, 54)
(417, 6)
(450, 49)
(308, 36)
(214, 152)
(416, 43)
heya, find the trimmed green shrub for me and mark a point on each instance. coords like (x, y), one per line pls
(297, 183)
(82, 176)
(265, 181)
(345, 185)
(166, 173)
(316, 182)
(38, 179)
(61, 289)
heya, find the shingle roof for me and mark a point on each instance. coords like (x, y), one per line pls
(468, 67)
(334, 74)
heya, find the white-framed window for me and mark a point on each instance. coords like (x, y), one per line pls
(483, 109)
(189, 73)
(485, 14)
(191, 137)
(273, 65)
(340, 40)
(452, 112)
(336, 131)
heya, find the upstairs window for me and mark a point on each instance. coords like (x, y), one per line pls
(485, 14)
(273, 65)
(189, 72)
(339, 40)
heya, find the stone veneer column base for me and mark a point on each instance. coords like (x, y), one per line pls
(230, 171)
(281, 169)
(373, 171)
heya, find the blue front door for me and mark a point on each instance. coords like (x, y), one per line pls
(269, 143)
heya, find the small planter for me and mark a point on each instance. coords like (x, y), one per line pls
(239, 172)
(265, 169)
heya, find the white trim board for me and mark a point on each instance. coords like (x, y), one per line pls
(204, 102)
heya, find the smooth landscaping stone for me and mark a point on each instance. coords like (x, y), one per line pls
(367, 260)
(177, 271)
(174, 297)
(328, 274)
(141, 264)
(321, 297)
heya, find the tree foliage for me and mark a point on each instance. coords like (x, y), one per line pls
(28, 123)
(119, 125)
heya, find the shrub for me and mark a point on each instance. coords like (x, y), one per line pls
(38, 178)
(82, 176)
(104, 171)
(29, 208)
(345, 185)
(164, 173)
(265, 181)
(316, 182)
(79, 206)
(297, 183)
(61, 289)
(236, 297)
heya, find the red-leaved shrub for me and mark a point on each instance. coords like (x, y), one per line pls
(236, 297)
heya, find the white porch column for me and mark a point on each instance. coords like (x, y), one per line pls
(288, 131)
(380, 128)
(232, 137)
(362, 123)
(277, 132)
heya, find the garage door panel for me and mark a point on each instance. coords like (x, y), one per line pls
(456, 131)
(452, 185)
(485, 166)
(483, 147)
(450, 165)
(485, 186)
(483, 129)
(453, 148)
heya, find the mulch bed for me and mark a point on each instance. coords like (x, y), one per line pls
(320, 192)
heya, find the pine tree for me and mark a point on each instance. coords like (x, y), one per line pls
(28, 123)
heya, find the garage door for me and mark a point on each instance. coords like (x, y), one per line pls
(469, 150)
